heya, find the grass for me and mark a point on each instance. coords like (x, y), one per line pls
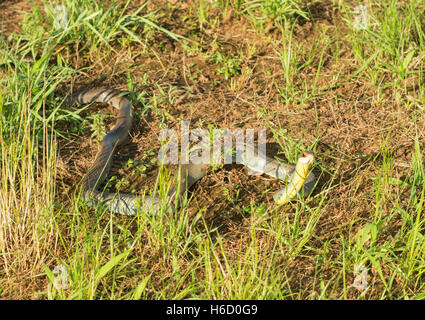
(298, 68)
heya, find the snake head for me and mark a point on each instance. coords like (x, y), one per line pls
(308, 155)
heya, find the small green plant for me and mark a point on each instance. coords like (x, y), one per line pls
(262, 11)
(229, 66)
(98, 126)
(395, 34)
(121, 183)
(203, 13)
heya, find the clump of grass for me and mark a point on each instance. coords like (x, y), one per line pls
(395, 33)
(98, 126)
(86, 25)
(28, 231)
(278, 11)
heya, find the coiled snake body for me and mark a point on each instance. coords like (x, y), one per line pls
(296, 175)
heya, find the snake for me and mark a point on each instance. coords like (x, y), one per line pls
(297, 176)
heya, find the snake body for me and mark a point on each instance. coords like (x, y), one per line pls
(187, 175)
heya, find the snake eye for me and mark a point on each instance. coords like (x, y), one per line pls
(308, 153)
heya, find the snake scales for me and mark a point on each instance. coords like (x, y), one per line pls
(296, 175)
